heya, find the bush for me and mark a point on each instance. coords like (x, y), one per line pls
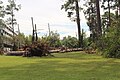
(110, 43)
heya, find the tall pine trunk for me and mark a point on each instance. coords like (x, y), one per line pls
(78, 23)
(109, 13)
(99, 29)
(33, 34)
(119, 6)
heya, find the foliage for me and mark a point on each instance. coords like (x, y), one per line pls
(70, 42)
(2, 11)
(111, 42)
(20, 40)
(10, 8)
(86, 42)
(53, 39)
(28, 40)
(108, 43)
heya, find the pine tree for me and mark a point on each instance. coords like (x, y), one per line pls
(72, 7)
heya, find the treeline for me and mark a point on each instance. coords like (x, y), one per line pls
(45, 45)
(53, 41)
(103, 25)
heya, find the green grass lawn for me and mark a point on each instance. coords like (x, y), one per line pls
(64, 66)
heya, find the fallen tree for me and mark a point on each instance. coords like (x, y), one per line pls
(37, 49)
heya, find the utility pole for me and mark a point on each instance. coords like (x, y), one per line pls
(49, 29)
(33, 35)
(18, 29)
(19, 41)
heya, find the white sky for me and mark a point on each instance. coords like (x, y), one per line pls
(44, 12)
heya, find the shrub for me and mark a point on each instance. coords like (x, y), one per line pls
(110, 43)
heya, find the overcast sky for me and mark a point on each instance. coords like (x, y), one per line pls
(44, 12)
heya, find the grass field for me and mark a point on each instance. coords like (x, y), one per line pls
(64, 66)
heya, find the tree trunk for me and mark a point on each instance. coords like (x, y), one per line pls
(78, 23)
(33, 35)
(36, 37)
(109, 13)
(99, 29)
(119, 6)
(12, 23)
